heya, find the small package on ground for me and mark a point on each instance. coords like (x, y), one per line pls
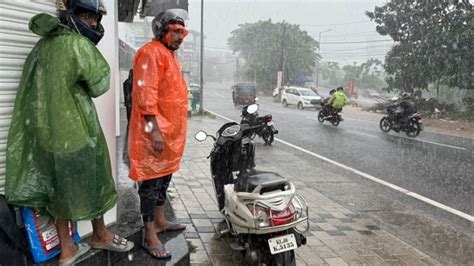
(42, 236)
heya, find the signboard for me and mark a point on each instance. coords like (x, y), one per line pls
(279, 79)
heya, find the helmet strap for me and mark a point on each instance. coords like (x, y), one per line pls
(73, 22)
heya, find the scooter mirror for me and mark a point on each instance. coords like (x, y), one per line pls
(252, 108)
(200, 136)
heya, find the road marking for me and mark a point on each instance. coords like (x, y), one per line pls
(373, 178)
(431, 142)
(403, 137)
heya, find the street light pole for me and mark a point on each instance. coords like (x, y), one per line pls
(201, 62)
(317, 65)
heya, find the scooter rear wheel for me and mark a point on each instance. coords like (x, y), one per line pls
(284, 258)
(268, 137)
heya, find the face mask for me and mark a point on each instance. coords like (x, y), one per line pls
(94, 35)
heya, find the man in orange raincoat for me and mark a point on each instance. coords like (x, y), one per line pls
(158, 125)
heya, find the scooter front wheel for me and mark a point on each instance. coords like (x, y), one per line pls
(320, 116)
(385, 124)
(335, 120)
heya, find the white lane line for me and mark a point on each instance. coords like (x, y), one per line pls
(432, 142)
(373, 178)
(413, 139)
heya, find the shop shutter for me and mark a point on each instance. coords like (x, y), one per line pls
(16, 41)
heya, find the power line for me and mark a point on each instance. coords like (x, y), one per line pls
(356, 42)
(336, 24)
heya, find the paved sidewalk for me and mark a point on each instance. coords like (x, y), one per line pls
(336, 236)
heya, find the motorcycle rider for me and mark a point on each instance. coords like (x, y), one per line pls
(327, 107)
(338, 101)
(407, 106)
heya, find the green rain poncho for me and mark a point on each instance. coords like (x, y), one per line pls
(57, 156)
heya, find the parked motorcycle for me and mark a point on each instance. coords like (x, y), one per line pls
(261, 209)
(412, 127)
(327, 114)
(264, 127)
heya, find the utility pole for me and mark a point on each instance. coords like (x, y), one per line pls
(237, 78)
(317, 64)
(201, 62)
(283, 55)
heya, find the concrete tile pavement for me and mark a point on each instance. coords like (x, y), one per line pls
(336, 236)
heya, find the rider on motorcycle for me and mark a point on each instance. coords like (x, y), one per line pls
(338, 101)
(327, 107)
(407, 106)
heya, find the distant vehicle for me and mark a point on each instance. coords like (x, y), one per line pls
(194, 88)
(371, 94)
(301, 97)
(244, 93)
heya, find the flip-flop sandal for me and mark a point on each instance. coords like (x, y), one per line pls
(173, 227)
(161, 248)
(117, 244)
(82, 249)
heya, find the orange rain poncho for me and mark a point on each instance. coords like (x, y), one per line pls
(160, 90)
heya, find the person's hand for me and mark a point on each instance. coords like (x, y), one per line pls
(157, 141)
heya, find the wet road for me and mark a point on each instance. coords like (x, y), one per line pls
(438, 167)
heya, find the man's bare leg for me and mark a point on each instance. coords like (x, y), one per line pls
(68, 248)
(100, 234)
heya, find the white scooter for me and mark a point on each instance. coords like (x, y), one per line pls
(262, 209)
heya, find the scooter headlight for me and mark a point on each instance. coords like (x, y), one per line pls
(231, 131)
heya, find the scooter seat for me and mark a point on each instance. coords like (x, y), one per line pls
(264, 181)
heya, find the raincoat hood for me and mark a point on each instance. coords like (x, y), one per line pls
(44, 24)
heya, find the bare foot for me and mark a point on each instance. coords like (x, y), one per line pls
(101, 237)
(67, 252)
(153, 244)
(169, 226)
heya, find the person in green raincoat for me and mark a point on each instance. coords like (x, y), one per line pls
(57, 156)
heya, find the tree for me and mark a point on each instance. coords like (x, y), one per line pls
(331, 73)
(268, 47)
(368, 75)
(434, 41)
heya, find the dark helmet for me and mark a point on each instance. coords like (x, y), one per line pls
(160, 23)
(340, 89)
(75, 7)
(331, 92)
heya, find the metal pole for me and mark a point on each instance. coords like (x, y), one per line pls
(201, 61)
(317, 65)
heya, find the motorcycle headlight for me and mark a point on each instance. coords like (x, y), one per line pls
(231, 131)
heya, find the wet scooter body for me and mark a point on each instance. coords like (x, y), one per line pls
(261, 209)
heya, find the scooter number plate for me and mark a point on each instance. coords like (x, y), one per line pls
(270, 123)
(282, 243)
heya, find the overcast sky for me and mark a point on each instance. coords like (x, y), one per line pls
(352, 36)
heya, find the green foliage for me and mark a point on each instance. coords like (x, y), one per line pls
(331, 73)
(434, 41)
(368, 75)
(269, 47)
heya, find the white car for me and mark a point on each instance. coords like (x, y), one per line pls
(301, 97)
